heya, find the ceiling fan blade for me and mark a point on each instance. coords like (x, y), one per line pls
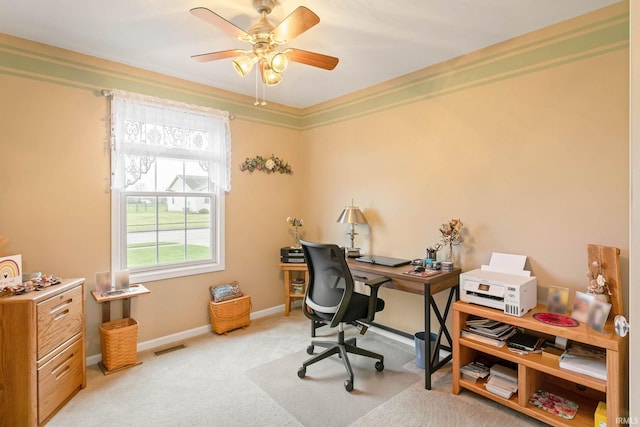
(213, 56)
(311, 58)
(299, 21)
(218, 21)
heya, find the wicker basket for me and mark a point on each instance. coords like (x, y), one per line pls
(119, 340)
(231, 314)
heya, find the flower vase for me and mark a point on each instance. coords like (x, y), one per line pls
(450, 253)
(601, 297)
(296, 239)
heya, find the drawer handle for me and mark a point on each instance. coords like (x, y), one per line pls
(61, 315)
(61, 306)
(64, 365)
(66, 369)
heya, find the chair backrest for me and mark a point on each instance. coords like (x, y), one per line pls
(330, 282)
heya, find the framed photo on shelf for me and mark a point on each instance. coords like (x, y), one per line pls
(557, 300)
(581, 306)
(598, 314)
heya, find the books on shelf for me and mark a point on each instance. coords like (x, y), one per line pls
(487, 331)
(585, 360)
(525, 342)
(503, 381)
(474, 370)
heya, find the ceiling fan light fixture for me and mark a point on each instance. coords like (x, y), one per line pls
(244, 64)
(278, 61)
(269, 76)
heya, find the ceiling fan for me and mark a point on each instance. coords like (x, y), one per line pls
(265, 39)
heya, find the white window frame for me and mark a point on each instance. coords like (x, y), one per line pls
(174, 270)
(169, 271)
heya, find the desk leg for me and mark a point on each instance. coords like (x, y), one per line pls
(106, 311)
(427, 338)
(433, 363)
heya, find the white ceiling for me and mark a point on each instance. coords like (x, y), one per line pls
(375, 40)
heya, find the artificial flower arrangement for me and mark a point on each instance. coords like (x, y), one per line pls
(597, 282)
(268, 165)
(295, 222)
(452, 234)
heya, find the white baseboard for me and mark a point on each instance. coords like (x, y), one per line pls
(173, 338)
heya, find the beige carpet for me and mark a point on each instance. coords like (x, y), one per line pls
(207, 384)
(320, 398)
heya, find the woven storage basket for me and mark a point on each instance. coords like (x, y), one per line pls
(119, 340)
(231, 314)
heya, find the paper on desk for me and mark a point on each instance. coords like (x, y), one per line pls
(507, 263)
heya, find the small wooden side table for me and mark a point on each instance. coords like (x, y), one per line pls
(124, 296)
(287, 269)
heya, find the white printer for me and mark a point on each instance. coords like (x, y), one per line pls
(503, 284)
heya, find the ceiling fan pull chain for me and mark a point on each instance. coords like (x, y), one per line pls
(256, 103)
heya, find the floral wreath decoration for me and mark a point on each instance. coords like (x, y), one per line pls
(267, 165)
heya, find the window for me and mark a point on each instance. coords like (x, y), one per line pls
(170, 171)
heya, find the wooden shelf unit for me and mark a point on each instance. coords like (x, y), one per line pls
(42, 352)
(536, 372)
(292, 272)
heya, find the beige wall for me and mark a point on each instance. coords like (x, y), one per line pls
(525, 141)
(55, 207)
(534, 163)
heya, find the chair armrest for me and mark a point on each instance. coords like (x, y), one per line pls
(373, 283)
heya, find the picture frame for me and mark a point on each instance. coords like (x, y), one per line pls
(598, 314)
(557, 300)
(103, 282)
(10, 271)
(582, 303)
(121, 280)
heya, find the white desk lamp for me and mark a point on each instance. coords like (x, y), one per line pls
(352, 215)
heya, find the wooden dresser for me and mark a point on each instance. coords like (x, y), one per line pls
(42, 352)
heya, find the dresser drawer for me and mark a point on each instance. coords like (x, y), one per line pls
(59, 319)
(59, 379)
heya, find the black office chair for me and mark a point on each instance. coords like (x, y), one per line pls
(330, 298)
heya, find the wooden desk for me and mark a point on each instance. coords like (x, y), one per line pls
(287, 269)
(427, 286)
(405, 283)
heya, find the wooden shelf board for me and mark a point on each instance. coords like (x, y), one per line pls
(581, 333)
(537, 362)
(584, 416)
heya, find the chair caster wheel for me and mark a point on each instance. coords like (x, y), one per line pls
(348, 385)
(379, 366)
(302, 372)
(310, 349)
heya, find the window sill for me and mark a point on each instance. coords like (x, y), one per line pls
(171, 273)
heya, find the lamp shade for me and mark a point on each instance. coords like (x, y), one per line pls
(269, 76)
(244, 64)
(352, 215)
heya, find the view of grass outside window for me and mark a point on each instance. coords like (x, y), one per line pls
(168, 213)
(157, 235)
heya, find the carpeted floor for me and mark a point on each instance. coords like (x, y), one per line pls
(320, 398)
(224, 381)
